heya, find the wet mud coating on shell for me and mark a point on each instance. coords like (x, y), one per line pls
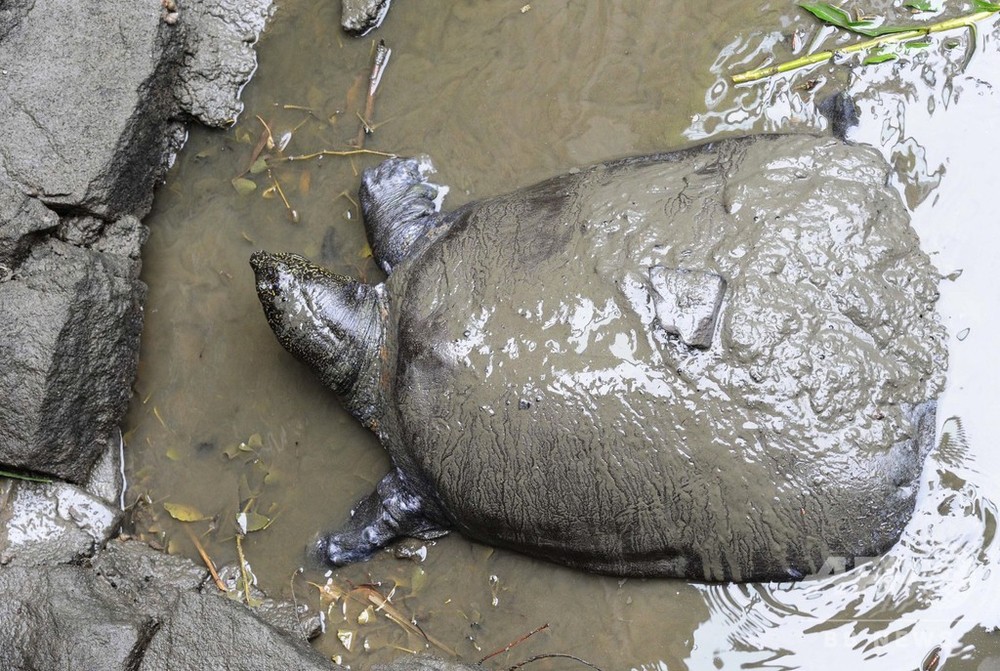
(535, 393)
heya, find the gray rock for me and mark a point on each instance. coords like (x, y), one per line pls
(202, 630)
(12, 12)
(23, 220)
(83, 133)
(219, 57)
(55, 523)
(69, 333)
(143, 575)
(134, 608)
(360, 16)
(106, 480)
(55, 619)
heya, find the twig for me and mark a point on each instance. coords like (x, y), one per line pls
(243, 569)
(553, 654)
(967, 21)
(265, 137)
(379, 64)
(269, 142)
(515, 643)
(205, 558)
(332, 152)
(383, 605)
(292, 214)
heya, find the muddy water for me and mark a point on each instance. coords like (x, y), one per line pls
(501, 97)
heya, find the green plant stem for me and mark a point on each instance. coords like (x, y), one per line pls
(22, 476)
(967, 21)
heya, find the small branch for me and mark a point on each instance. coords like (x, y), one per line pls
(379, 64)
(332, 152)
(243, 570)
(292, 214)
(967, 21)
(205, 558)
(515, 643)
(553, 654)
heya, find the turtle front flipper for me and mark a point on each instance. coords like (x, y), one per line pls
(392, 511)
(399, 206)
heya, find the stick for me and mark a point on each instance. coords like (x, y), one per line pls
(553, 654)
(334, 152)
(380, 62)
(205, 558)
(517, 642)
(967, 21)
(243, 568)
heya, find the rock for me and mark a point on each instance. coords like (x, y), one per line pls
(83, 133)
(134, 608)
(52, 523)
(23, 221)
(360, 16)
(69, 337)
(106, 480)
(203, 629)
(143, 575)
(57, 620)
(219, 56)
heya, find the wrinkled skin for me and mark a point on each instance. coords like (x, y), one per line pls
(522, 367)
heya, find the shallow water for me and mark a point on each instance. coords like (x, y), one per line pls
(500, 98)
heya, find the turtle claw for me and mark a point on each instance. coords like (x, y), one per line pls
(399, 205)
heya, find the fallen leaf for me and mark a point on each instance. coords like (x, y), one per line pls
(244, 186)
(184, 513)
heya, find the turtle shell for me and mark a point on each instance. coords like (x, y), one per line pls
(716, 363)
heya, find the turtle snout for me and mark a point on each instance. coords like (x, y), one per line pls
(263, 265)
(267, 269)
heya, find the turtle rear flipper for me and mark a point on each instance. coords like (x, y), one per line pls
(391, 512)
(399, 206)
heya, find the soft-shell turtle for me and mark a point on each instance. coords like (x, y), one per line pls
(717, 363)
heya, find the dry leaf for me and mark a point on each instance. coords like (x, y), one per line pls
(184, 513)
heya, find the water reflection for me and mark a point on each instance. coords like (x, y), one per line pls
(924, 594)
(921, 605)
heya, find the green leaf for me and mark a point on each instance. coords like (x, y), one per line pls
(833, 15)
(917, 44)
(836, 16)
(983, 6)
(259, 166)
(244, 186)
(879, 58)
(920, 5)
(22, 476)
(251, 521)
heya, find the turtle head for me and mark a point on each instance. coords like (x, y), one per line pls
(333, 323)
